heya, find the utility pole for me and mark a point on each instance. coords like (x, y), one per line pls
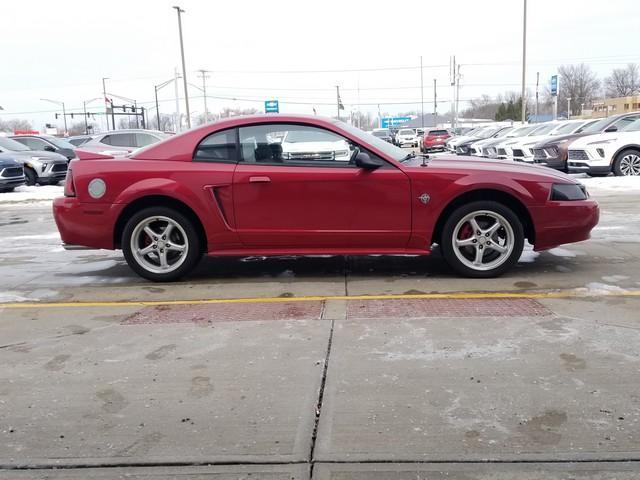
(184, 69)
(435, 103)
(155, 88)
(457, 93)
(421, 93)
(452, 79)
(338, 100)
(204, 76)
(178, 121)
(537, 83)
(106, 103)
(524, 61)
(568, 107)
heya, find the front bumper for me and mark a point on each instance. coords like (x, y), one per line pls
(86, 224)
(577, 166)
(561, 222)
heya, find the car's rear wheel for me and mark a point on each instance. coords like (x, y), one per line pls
(30, 176)
(482, 239)
(161, 244)
(627, 163)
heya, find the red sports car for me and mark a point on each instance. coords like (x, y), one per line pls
(302, 185)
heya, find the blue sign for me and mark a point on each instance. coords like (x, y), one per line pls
(554, 85)
(271, 106)
(386, 122)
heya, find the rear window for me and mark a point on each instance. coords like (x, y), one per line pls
(406, 132)
(438, 132)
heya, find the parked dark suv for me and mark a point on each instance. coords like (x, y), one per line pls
(47, 143)
(11, 173)
(553, 152)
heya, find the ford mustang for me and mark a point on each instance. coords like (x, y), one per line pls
(238, 187)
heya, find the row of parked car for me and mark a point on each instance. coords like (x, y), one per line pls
(44, 159)
(597, 147)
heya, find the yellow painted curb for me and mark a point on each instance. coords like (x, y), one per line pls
(576, 293)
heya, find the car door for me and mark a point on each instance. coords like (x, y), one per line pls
(296, 187)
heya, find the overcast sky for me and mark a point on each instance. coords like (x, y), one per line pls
(294, 50)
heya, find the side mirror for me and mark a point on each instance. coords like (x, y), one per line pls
(49, 148)
(363, 160)
(612, 128)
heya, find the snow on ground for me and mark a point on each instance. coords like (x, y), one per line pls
(27, 194)
(610, 183)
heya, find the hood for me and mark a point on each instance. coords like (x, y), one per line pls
(314, 146)
(6, 160)
(27, 154)
(619, 137)
(546, 142)
(495, 167)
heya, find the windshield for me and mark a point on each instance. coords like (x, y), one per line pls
(521, 132)
(60, 143)
(488, 132)
(9, 144)
(597, 126)
(542, 129)
(504, 132)
(391, 150)
(569, 127)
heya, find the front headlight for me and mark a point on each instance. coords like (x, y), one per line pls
(568, 191)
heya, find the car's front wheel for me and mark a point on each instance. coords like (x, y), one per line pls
(482, 239)
(161, 244)
(627, 163)
(30, 176)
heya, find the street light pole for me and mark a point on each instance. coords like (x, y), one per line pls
(421, 93)
(524, 61)
(184, 69)
(106, 107)
(155, 88)
(204, 75)
(64, 112)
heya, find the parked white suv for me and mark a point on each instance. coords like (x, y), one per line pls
(603, 153)
(407, 136)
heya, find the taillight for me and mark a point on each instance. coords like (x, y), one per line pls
(69, 187)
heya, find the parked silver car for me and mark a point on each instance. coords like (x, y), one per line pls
(119, 143)
(40, 167)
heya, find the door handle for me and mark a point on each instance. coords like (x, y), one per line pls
(259, 179)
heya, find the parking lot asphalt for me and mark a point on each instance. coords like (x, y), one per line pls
(324, 367)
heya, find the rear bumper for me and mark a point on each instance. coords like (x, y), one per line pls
(558, 223)
(89, 225)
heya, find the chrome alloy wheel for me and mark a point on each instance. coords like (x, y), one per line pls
(159, 244)
(483, 240)
(630, 164)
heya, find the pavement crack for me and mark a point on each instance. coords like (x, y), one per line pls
(325, 369)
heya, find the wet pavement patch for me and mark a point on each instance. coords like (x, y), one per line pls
(437, 307)
(226, 312)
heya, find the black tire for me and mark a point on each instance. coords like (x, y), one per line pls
(30, 177)
(194, 247)
(448, 250)
(617, 171)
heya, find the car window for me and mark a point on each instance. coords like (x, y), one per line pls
(12, 145)
(217, 147)
(438, 132)
(32, 143)
(144, 139)
(624, 122)
(120, 140)
(59, 142)
(633, 126)
(299, 145)
(406, 132)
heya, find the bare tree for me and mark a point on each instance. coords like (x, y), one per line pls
(234, 112)
(579, 83)
(15, 124)
(623, 82)
(166, 122)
